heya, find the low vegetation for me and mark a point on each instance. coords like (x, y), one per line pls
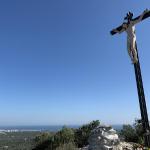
(133, 133)
(17, 140)
(66, 138)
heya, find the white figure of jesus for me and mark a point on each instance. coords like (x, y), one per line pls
(129, 27)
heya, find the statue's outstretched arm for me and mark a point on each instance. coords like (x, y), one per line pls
(120, 29)
(140, 17)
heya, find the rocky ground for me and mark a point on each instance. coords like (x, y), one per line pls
(106, 138)
(127, 146)
(122, 146)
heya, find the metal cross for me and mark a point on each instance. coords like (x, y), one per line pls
(129, 27)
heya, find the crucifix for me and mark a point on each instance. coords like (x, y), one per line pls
(129, 27)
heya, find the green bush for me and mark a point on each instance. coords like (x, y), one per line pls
(42, 137)
(133, 133)
(129, 133)
(69, 146)
(82, 134)
(51, 142)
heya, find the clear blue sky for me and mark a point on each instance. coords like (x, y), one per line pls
(60, 65)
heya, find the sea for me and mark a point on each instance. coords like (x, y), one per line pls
(43, 128)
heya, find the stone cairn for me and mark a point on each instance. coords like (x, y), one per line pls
(103, 138)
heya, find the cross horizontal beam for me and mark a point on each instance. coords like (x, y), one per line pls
(112, 32)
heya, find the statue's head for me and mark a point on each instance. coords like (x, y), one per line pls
(129, 16)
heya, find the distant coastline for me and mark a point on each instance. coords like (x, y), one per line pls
(51, 128)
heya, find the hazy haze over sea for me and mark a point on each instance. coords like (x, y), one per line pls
(52, 128)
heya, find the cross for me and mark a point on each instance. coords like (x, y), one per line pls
(129, 28)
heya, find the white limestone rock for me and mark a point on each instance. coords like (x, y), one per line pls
(103, 138)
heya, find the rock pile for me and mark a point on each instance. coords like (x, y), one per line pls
(103, 138)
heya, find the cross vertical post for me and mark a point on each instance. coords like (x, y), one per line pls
(142, 102)
(129, 27)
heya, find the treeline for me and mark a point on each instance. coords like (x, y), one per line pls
(66, 138)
